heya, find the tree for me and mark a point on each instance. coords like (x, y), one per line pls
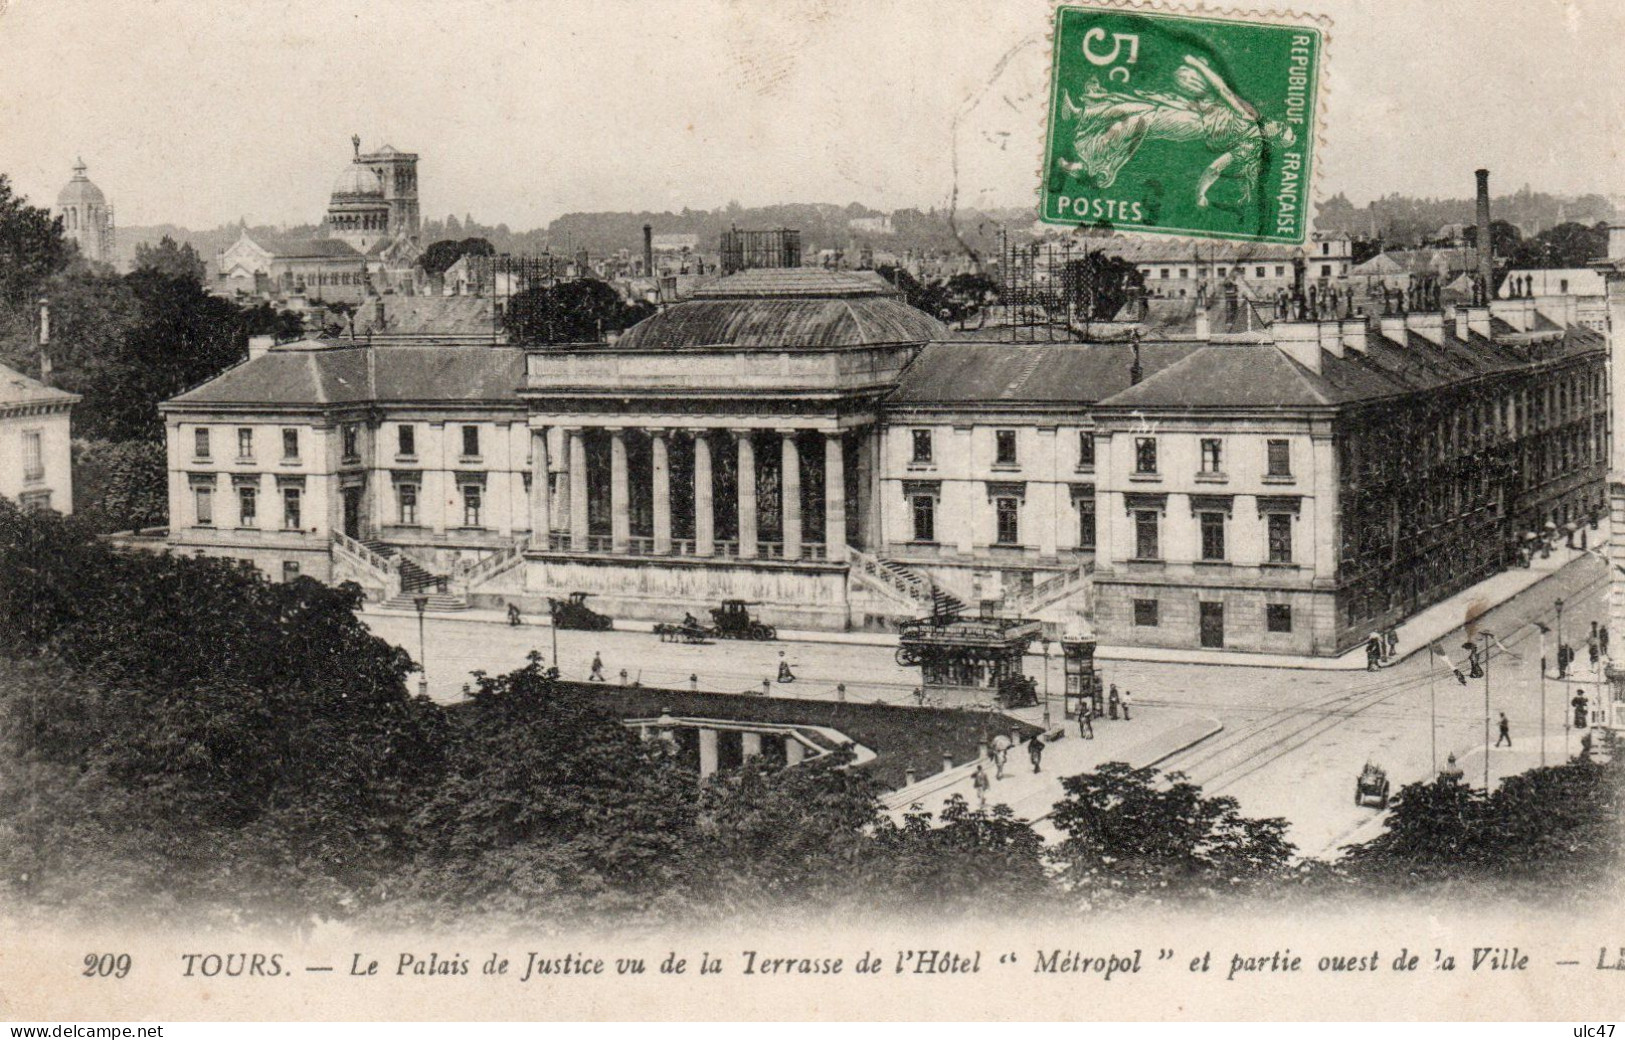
(32, 248)
(1100, 285)
(171, 260)
(580, 311)
(1565, 245)
(1130, 836)
(121, 485)
(441, 255)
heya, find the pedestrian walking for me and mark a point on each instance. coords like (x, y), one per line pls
(785, 674)
(597, 672)
(1393, 641)
(513, 616)
(1112, 701)
(1086, 725)
(1035, 751)
(1127, 699)
(1373, 652)
(999, 752)
(1505, 730)
(978, 780)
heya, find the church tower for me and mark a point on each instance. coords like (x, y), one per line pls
(398, 173)
(86, 216)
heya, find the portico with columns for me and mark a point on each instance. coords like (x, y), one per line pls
(722, 449)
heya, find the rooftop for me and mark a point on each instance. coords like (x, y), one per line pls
(16, 388)
(314, 373)
(777, 309)
(1039, 373)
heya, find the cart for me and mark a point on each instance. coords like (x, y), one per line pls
(683, 633)
(1372, 787)
(575, 614)
(733, 621)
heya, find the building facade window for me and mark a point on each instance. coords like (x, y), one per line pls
(1278, 455)
(1086, 450)
(203, 501)
(34, 501)
(471, 442)
(290, 570)
(406, 498)
(472, 494)
(1147, 544)
(245, 442)
(925, 518)
(1280, 537)
(248, 507)
(351, 435)
(1212, 525)
(1145, 613)
(406, 441)
(1004, 447)
(1278, 617)
(1145, 455)
(1007, 521)
(200, 442)
(1212, 456)
(292, 498)
(33, 455)
(921, 442)
(290, 444)
(1086, 523)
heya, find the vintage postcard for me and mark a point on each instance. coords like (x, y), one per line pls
(813, 510)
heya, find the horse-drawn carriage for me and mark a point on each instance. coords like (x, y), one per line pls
(1372, 787)
(686, 631)
(574, 613)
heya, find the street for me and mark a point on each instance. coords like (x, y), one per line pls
(1293, 739)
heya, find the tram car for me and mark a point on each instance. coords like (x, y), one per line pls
(974, 656)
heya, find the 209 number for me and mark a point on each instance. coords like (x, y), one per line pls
(106, 965)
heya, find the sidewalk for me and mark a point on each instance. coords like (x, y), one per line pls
(482, 616)
(1415, 634)
(1151, 737)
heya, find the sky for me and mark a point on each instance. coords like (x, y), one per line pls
(199, 113)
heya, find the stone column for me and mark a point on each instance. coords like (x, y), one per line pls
(750, 744)
(620, 511)
(834, 497)
(660, 476)
(541, 517)
(705, 531)
(578, 490)
(793, 751)
(790, 493)
(747, 495)
(866, 496)
(708, 751)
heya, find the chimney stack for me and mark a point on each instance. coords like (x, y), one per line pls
(1486, 249)
(649, 250)
(44, 341)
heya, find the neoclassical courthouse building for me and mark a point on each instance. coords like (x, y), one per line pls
(805, 440)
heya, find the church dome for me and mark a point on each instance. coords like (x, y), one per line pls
(356, 179)
(80, 191)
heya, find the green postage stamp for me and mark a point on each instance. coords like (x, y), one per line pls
(1182, 124)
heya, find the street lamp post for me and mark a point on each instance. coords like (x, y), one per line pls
(1542, 629)
(1562, 661)
(1433, 717)
(422, 603)
(1044, 642)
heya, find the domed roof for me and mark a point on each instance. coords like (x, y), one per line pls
(80, 191)
(356, 179)
(786, 309)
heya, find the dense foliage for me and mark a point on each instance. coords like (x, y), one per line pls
(580, 311)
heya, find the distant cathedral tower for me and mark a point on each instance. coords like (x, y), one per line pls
(375, 198)
(86, 217)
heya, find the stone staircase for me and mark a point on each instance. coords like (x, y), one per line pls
(418, 580)
(1050, 590)
(909, 589)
